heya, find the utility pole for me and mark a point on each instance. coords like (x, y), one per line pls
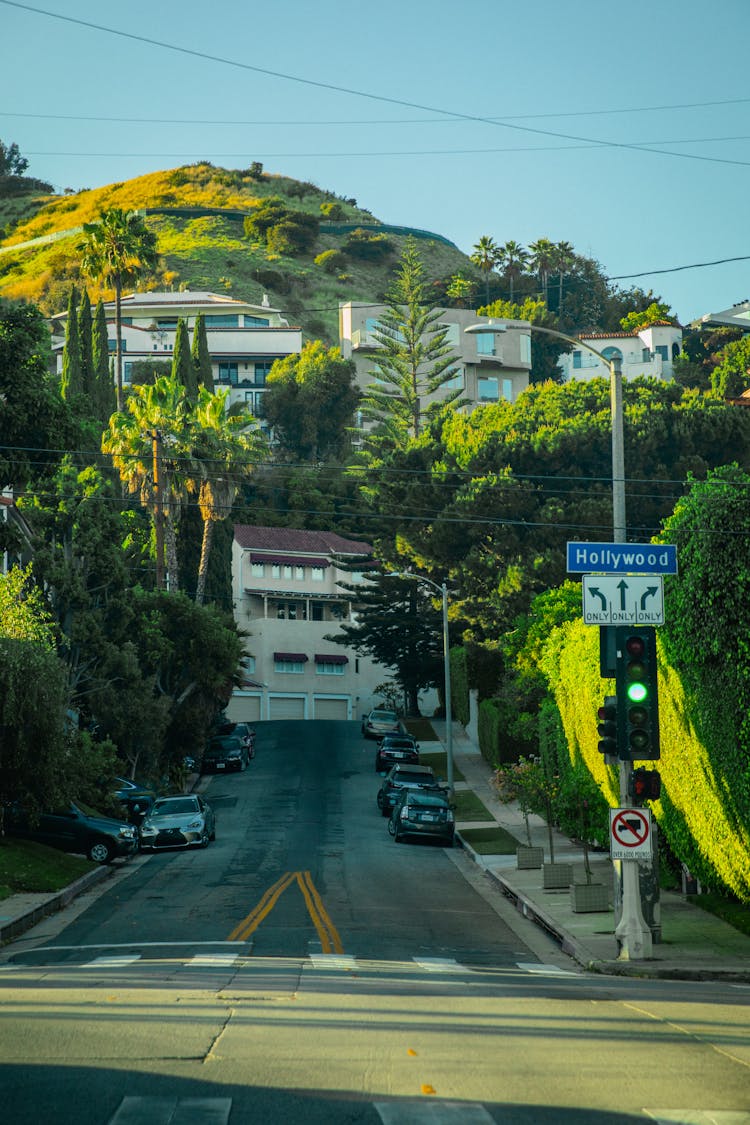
(158, 510)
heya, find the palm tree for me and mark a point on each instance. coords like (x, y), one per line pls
(542, 261)
(225, 449)
(117, 248)
(563, 259)
(485, 254)
(153, 412)
(513, 257)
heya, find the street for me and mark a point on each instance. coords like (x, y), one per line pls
(305, 968)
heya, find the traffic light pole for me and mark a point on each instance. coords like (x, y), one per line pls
(632, 933)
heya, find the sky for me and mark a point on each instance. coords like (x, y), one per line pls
(620, 128)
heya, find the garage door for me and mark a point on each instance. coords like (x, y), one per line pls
(287, 707)
(326, 708)
(244, 709)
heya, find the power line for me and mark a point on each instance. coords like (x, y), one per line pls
(352, 92)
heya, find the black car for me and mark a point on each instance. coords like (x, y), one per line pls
(225, 752)
(76, 828)
(423, 812)
(136, 798)
(240, 730)
(399, 778)
(394, 748)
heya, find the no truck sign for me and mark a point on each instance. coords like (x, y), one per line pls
(629, 833)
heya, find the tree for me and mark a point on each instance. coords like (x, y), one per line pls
(117, 248)
(486, 254)
(563, 259)
(513, 258)
(414, 360)
(460, 290)
(71, 382)
(542, 262)
(545, 350)
(183, 367)
(225, 450)
(11, 161)
(399, 627)
(85, 343)
(310, 402)
(201, 355)
(731, 376)
(103, 382)
(642, 318)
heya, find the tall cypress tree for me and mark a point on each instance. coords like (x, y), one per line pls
(71, 382)
(201, 355)
(183, 368)
(87, 358)
(106, 395)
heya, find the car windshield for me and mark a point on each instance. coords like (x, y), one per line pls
(174, 806)
(427, 800)
(384, 716)
(403, 778)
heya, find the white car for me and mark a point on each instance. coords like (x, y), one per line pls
(179, 822)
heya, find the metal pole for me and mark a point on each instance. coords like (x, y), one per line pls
(618, 452)
(448, 700)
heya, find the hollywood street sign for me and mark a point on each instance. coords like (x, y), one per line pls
(622, 558)
(629, 600)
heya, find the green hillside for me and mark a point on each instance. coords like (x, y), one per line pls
(198, 214)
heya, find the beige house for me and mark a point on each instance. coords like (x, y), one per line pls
(287, 597)
(650, 352)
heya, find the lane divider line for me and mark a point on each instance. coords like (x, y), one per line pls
(263, 909)
(327, 933)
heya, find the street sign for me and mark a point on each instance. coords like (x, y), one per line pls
(630, 600)
(622, 558)
(629, 833)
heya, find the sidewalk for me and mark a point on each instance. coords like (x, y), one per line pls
(695, 945)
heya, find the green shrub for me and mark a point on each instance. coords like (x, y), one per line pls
(460, 685)
(332, 211)
(330, 260)
(368, 247)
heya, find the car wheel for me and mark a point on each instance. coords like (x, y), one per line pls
(391, 827)
(204, 840)
(213, 834)
(100, 851)
(385, 811)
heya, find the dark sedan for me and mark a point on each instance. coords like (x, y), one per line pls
(399, 778)
(423, 812)
(75, 828)
(179, 822)
(395, 748)
(225, 752)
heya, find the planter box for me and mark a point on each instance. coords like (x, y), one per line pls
(557, 876)
(586, 898)
(527, 858)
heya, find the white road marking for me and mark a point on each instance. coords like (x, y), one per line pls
(699, 1116)
(172, 1111)
(544, 970)
(332, 961)
(224, 960)
(440, 965)
(112, 962)
(432, 1113)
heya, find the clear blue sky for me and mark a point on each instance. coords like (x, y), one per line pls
(565, 91)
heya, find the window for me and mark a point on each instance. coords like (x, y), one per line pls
(663, 351)
(228, 373)
(292, 611)
(577, 360)
(455, 380)
(485, 343)
(256, 321)
(248, 664)
(284, 665)
(257, 570)
(487, 389)
(260, 373)
(287, 571)
(127, 372)
(525, 349)
(323, 668)
(611, 353)
(299, 572)
(317, 573)
(281, 611)
(275, 570)
(222, 320)
(646, 355)
(317, 611)
(112, 345)
(508, 390)
(451, 333)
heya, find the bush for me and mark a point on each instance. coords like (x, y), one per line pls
(330, 260)
(293, 235)
(332, 211)
(460, 685)
(368, 247)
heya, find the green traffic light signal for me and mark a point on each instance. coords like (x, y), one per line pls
(637, 693)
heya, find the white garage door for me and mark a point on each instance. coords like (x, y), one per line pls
(244, 709)
(287, 707)
(326, 708)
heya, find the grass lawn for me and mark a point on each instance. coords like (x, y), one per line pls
(737, 914)
(490, 841)
(421, 729)
(28, 867)
(438, 759)
(469, 807)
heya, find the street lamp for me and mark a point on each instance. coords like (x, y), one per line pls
(443, 591)
(632, 932)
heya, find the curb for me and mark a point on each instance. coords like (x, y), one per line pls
(53, 903)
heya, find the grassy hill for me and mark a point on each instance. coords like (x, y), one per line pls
(197, 212)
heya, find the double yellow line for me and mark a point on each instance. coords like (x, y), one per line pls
(327, 932)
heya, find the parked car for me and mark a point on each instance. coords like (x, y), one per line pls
(423, 812)
(225, 752)
(394, 748)
(136, 798)
(243, 731)
(403, 777)
(380, 722)
(76, 828)
(179, 822)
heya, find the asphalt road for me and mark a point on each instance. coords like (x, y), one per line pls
(306, 968)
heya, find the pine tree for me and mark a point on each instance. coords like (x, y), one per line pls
(104, 383)
(183, 368)
(88, 382)
(201, 355)
(71, 381)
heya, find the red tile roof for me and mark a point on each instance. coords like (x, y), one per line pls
(290, 540)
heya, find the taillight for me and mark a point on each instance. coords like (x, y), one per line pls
(404, 814)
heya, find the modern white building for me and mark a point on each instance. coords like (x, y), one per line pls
(488, 366)
(287, 598)
(650, 352)
(738, 316)
(243, 339)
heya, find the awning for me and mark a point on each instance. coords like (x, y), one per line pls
(288, 560)
(290, 657)
(335, 658)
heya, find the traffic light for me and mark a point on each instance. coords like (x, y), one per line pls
(637, 694)
(645, 785)
(607, 726)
